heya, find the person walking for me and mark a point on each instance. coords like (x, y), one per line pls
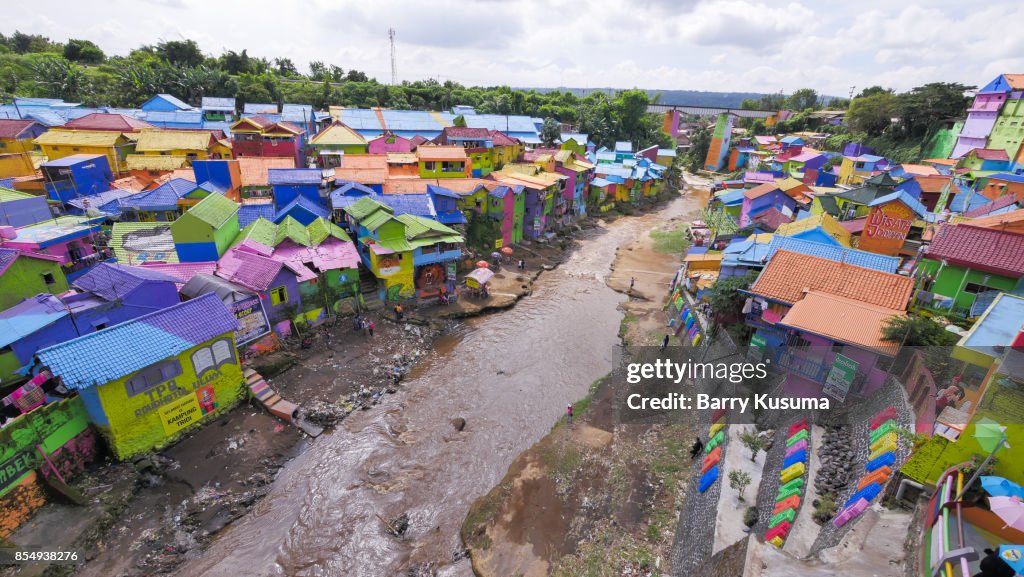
(364, 326)
(632, 283)
(568, 413)
(327, 335)
(664, 343)
(522, 265)
(371, 326)
(696, 449)
(398, 312)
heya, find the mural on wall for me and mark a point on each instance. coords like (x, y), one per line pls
(148, 244)
(389, 265)
(886, 228)
(431, 278)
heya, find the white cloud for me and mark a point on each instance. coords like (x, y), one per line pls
(743, 45)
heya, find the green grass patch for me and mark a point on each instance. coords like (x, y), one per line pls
(481, 513)
(670, 241)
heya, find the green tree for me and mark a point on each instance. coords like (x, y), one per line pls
(873, 90)
(916, 331)
(285, 67)
(754, 443)
(872, 114)
(356, 76)
(550, 131)
(631, 116)
(60, 79)
(83, 51)
(803, 99)
(700, 143)
(725, 298)
(739, 480)
(180, 52)
(925, 106)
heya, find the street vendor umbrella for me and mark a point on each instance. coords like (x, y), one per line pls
(989, 434)
(482, 264)
(1013, 555)
(1010, 510)
(506, 250)
(1001, 487)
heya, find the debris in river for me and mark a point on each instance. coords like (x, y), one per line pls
(397, 526)
(459, 423)
(322, 413)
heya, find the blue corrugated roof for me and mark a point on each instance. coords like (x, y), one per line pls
(731, 197)
(73, 160)
(217, 103)
(248, 213)
(304, 203)
(911, 202)
(441, 191)
(115, 281)
(1007, 177)
(118, 351)
(174, 100)
(966, 201)
(836, 253)
(600, 182)
(294, 176)
(163, 197)
(29, 316)
(414, 204)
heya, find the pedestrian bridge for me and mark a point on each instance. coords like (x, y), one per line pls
(708, 110)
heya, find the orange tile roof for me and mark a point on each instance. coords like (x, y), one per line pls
(761, 190)
(841, 319)
(1016, 81)
(920, 169)
(466, 185)
(365, 161)
(407, 185)
(362, 175)
(933, 183)
(789, 274)
(441, 153)
(942, 161)
(254, 168)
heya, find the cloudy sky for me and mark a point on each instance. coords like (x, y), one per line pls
(720, 45)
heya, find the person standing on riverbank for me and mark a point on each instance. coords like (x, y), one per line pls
(664, 343)
(371, 327)
(399, 313)
(568, 413)
(632, 283)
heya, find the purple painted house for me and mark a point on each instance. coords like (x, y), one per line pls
(981, 116)
(249, 265)
(763, 197)
(126, 292)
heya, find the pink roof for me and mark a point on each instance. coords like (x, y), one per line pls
(991, 154)
(805, 156)
(253, 247)
(855, 226)
(763, 139)
(104, 121)
(182, 271)
(761, 177)
(250, 270)
(332, 254)
(14, 128)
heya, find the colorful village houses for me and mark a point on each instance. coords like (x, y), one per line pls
(507, 205)
(888, 223)
(443, 162)
(411, 255)
(966, 266)
(813, 314)
(764, 198)
(542, 191)
(162, 204)
(205, 231)
(259, 136)
(986, 110)
(188, 145)
(856, 169)
(21, 209)
(17, 141)
(332, 143)
(176, 368)
(249, 265)
(75, 241)
(388, 142)
(478, 144)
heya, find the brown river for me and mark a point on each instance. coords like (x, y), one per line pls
(510, 375)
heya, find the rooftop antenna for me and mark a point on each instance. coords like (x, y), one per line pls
(394, 66)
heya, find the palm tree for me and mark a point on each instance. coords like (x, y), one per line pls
(60, 78)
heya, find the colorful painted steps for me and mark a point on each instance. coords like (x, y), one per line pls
(285, 410)
(708, 479)
(884, 441)
(714, 441)
(794, 466)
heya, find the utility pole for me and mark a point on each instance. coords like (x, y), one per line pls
(852, 88)
(394, 66)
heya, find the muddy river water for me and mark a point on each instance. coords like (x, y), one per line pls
(510, 375)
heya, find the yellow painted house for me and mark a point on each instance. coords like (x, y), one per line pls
(58, 143)
(191, 144)
(148, 381)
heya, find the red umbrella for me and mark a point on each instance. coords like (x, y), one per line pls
(506, 250)
(482, 264)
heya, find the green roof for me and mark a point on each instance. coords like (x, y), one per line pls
(420, 231)
(321, 228)
(375, 220)
(392, 244)
(214, 210)
(260, 230)
(364, 207)
(292, 229)
(9, 194)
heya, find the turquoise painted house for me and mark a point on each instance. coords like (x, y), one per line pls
(206, 230)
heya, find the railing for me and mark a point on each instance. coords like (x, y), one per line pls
(813, 369)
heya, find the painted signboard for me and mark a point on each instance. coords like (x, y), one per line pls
(840, 377)
(757, 345)
(886, 228)
(252, 320)
(180, 414)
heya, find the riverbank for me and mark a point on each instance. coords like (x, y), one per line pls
(598, 497)
(170, 507)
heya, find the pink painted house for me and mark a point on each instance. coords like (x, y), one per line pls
(389, 142)
(70, 239)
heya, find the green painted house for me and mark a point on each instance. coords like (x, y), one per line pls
(206, 230)
(966, 267)
(24, 274)
(443, 162)
(331, 144)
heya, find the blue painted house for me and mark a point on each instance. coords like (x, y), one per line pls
(20, 209)
(164, 103)
(77, 175)
(446, 205)
(763, 198)
(158, 205)
(289, 183)
(301, 209)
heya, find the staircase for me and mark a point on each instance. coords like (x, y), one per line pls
(285, 410)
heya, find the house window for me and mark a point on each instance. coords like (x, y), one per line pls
(220, 352)
(430, 166)
(48, 278)
(278, 295)
(429, 249)
(75, 149)
(152, 376)
(798, 342)
(975, 288)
